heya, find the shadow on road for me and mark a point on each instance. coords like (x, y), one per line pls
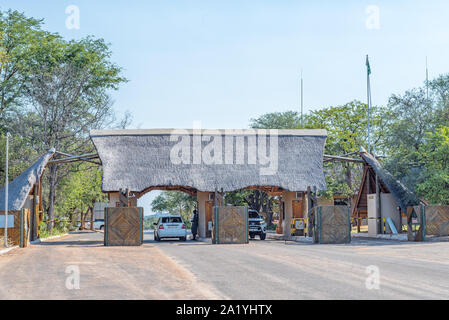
(87, 243)
(92, 239)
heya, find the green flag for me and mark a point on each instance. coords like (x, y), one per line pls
(367, 65)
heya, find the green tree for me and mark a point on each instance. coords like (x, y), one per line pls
(79, 191)
(434, 157)
(175, 202)
(68, 96)
(19, 36)
(414, 114)
(277, 120)
(346, 127)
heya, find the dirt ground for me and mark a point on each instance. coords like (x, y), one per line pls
(39, 272)
(269, 269)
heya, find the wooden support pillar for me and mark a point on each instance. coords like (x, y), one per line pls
(40, 215)
(309, 208)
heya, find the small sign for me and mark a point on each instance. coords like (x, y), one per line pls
(10, 221)
(209, 226)
(299, 225)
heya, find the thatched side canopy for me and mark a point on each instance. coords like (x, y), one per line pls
(387, 184)
(209, 160)
(20, 187)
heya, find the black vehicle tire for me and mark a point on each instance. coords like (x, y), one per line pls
(183, 238)
(252, 236)
(263, 236)
(156, 237)
(101, 227)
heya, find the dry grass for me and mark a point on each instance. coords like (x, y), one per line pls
(2, 242)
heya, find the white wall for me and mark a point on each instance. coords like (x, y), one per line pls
(202, 197)
(389, 208)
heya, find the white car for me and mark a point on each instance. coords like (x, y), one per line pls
(99, 224)
(170, 227)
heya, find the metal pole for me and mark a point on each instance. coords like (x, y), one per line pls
(6, 191)
(302, 102)
(427, 81)
(369, 116)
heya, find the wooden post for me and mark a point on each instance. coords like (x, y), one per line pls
(40, 211)
(92, 219)
(309, 207)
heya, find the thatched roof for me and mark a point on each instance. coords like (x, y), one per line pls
(403, 196)
(20, 187)
(140, 160)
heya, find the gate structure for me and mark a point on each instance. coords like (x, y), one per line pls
(437, 221)
(331, 224)
(230, 225)
(123, 226)
(423, 221)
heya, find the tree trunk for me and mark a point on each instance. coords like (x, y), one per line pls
(83, 220)
(92, 219)
(348, 176)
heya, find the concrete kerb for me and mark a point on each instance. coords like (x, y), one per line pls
(49, 238)
(394, 237)
(6, 250)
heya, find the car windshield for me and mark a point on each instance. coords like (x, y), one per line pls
(172, 220)
(253, 214)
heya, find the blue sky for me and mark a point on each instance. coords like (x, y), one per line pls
(224, 62)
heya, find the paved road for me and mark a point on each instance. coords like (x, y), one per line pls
(267, 269)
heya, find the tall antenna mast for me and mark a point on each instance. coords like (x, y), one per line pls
(427, 81)
(302, 102)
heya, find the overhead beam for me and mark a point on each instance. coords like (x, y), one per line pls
(84, 157)
(328, 158)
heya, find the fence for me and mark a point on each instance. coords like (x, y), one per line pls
(427, 221)
(331, 224)
(18, 227)
(123, 226)
(230, 225)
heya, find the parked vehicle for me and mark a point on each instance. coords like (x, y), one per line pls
(257, 225)
(99, 214)
(99, 224)
(170, 227)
